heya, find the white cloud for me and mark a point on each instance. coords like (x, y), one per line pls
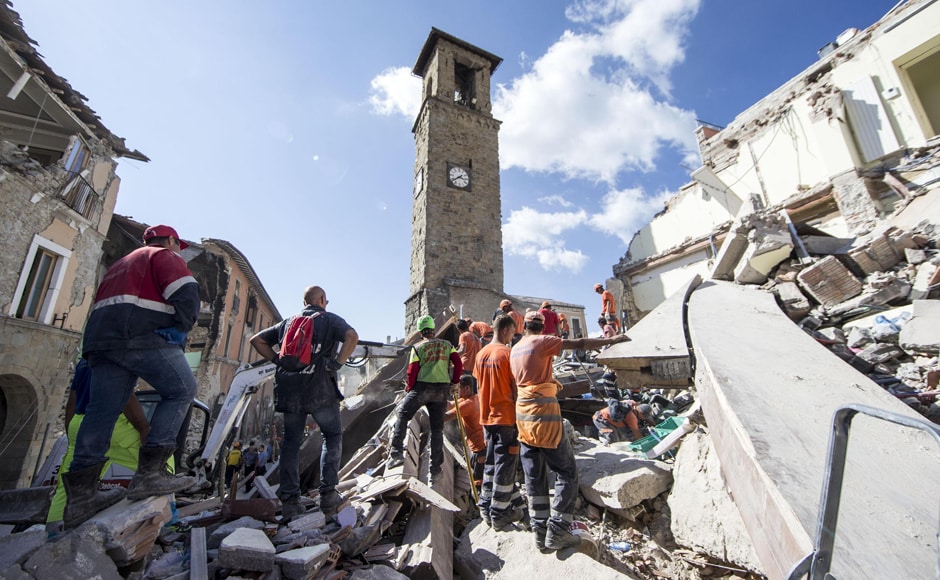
(587, 108)
(556, 200)
(534, 234)
(396, 92)
(625, 211)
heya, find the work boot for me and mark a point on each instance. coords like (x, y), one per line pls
(330, 501)
(290, 509)
(540, 529)
(83, 498)
(559, 537)
(152, 477)
(485, 513)
(503, 519)
(395, 458)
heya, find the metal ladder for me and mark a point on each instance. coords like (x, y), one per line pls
(815, 565)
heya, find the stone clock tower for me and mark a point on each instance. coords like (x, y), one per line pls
(456, 235)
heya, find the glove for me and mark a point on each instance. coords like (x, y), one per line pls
(333, 365)
(172, 335)
(276, 360)
(454, 389)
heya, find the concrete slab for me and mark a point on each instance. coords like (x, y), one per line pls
(512, 554)
(247, 549)
(617, 479)
(921, 334)
(659, 336)
(703, 515)
(15, 548)
(128, 529)
(308, 521)
(217, 534)
(768, 392)
(302, 563)
(73, 557)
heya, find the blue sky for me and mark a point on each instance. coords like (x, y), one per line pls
(285, 127)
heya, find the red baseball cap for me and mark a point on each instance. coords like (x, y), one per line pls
(163, 232)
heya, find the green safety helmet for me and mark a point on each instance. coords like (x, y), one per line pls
(425, 323)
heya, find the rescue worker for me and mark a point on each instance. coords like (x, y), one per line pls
(505, 307)
(470, 415)
(233, 462)
(501, 503)
(543, 446)
(468, 345)
(144, 308)
(434, 368)
(608, 306)
(620, 420)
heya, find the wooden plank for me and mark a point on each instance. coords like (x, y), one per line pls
(198, 507)
(264, 488)
(389, 485)
(198, 569)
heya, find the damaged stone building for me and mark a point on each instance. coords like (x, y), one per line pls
(836, 148)
(59, 185)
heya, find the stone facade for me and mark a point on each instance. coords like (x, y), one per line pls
(456, 243)
(59, 187)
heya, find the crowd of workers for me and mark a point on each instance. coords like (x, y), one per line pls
(514, 417)
(502, 373)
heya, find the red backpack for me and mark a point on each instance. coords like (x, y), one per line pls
(297, 346)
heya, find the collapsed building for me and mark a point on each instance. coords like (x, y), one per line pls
(751, 309)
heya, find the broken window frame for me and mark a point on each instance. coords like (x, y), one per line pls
(37, 291)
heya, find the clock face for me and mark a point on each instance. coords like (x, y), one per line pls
(458, 177)
(419, 181)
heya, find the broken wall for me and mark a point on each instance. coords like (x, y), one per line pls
(857, 109)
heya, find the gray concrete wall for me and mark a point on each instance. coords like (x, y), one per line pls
(768, 391)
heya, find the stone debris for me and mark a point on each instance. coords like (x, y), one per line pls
(871, 302)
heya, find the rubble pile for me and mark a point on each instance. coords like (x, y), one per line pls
(875, 310)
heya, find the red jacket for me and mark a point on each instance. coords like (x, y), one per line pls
(148, 289)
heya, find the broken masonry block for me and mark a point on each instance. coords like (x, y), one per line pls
(829, 282)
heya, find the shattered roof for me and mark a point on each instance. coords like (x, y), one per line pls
(13, 33)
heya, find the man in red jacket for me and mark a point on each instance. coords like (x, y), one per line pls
(144, 308)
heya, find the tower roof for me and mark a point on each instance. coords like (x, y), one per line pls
(436, 35)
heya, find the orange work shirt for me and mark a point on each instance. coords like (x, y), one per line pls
(520, 320)
(496, 385)
(480, 328)
(531, 359)
(471, 346)
(607, 303)
(470, 413)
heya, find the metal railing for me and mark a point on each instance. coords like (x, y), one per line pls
(79, 195)
(816, 564)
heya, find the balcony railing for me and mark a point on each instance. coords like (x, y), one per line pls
(79, 195)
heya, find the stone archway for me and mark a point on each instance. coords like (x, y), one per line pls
(18, 417)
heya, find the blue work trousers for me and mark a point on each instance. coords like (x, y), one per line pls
(500, 491)
(331, 427)
(536, 461)
(114, 373)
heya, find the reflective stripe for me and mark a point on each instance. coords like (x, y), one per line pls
(539, 400)
(503, 488)
(176, 285)
(538, 418)
(135, 301)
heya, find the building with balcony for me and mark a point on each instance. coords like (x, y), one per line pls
(58, 188)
